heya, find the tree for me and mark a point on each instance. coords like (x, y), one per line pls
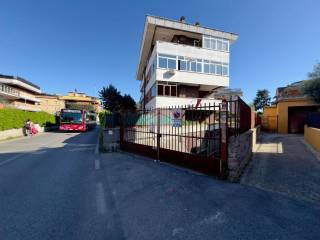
(311, 87)
(262, 99)
(80, 106)
(111, 98)
(316, 72)
(127, 103)
(113, 101)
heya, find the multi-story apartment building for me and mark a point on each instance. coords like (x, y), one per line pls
(51, 103)
(79, 100)
(19, 93)
(181, 63)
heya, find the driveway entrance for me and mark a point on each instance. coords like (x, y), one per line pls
(284, 164)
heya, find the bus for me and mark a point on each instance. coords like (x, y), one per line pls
(77, 120)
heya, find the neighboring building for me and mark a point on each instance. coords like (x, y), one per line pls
(81, 100)
(19, 93)
(50, 103)
(181, 63)
(290, 112)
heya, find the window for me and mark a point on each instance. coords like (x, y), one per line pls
(215, 43)
(219, 69)
(206, 66)
(225, 46)
(225, 70)
(182, 64)
(173, 91)
(199, 65)
(167, 61)
(219, 44)
(171, 63)
(160, 90)
(192, 65)
(212, 68)
(162, 62)
(206, 43)
(167, 90)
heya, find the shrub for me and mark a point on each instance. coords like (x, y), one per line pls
(14, 118)
(311, 88)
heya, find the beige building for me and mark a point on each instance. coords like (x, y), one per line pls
(51, 103)
(19, 93)
(22, 94)
(78, 100)
(289, 114)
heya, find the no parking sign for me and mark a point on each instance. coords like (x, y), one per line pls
(176, 117)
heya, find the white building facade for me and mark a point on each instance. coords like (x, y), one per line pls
(182, 64)
(19, 93)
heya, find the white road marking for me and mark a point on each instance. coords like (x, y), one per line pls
(100, 199)
(97, 164)
(80, 149)
(97, 145)
(82, 144)
(10, 159)
(177, 231)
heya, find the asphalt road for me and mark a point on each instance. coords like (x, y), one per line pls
(55, 186)
(49, 189)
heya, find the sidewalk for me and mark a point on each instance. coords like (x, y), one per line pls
(284, 164)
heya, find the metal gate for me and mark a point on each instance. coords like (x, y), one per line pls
(194, 137)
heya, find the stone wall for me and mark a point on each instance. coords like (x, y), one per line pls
(20, 132)
(111, 139)
(239, 154)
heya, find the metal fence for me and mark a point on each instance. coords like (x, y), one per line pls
(185, 135)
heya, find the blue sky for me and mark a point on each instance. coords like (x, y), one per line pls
(63, 45)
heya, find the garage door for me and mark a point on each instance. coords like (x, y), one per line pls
(297, 118)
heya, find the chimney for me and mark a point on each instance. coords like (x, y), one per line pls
(197, 24)
(182, 19)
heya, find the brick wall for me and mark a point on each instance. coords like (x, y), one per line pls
(239, 154)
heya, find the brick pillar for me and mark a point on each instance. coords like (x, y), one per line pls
(253, 117)
(224, 140)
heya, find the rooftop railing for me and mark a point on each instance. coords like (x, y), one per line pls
(9, 90)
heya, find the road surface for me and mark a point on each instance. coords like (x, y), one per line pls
(55, 186)
(49, 189)
(284, 164)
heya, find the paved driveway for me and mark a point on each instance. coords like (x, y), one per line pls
(285, 164)
(154, 200)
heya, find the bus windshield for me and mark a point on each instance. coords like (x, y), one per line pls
(71, 117)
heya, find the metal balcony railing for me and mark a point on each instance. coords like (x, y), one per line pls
(9, 90)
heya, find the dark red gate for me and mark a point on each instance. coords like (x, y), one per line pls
(188, 136)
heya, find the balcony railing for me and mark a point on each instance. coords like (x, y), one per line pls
(9, 90)
(290, 97)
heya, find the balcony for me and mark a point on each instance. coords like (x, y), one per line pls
(191, 51)
(167, 101)
(9, 92)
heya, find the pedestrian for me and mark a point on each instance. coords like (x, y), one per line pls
(27, 127)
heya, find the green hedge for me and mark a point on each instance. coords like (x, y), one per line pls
(14, 118)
